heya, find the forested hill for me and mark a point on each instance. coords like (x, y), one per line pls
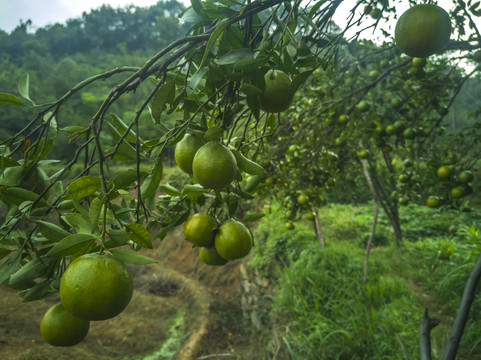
(59, 56)
(106, 29)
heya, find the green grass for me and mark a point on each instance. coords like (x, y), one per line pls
(320, 306)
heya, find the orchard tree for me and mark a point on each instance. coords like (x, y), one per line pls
(226, 84)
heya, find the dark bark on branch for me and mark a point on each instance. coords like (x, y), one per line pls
(457, 330)
(425, 335)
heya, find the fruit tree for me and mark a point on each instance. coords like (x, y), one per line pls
(245, 74)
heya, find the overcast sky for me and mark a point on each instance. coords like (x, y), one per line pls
(44, 12)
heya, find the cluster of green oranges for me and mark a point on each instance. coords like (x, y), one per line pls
(456, 185)
(218, 244)
(93, 287)
(214, 166)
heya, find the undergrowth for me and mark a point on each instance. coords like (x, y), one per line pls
(320, 307)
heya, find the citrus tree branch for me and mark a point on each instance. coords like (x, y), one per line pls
(461, 319)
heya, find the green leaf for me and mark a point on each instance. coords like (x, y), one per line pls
(38, 292)
(252, 217)
(4, 252)
(270, 124)
(193, 191)
(254, 103)
(80, 209)
(17, 196)
(212, 39)
(117, 237)
(139, 235)
(151, 183)
(24, 86)
(9, 266)
(51, 231)
(6, 162)
(213, 133)
(165, 95)
(72, 244)
(122, 129)
(247, 165)
(125, 179)
(125, 151)
(78, 222)
(197, 6)
(195, 79)
(30, 271)
(298, 81)
(41, 150)
(12, 176)
(84, 186)
(94, 214)
(218, 12)
(162, 233)
(236, 55)
(170, 190)
(9, 99)
(74, 131)
(131, 257)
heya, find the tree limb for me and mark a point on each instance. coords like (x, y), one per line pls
(457, 330)
(425, 335)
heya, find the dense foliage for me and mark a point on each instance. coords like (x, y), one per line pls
(82, 170)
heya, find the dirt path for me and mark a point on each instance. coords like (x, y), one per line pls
(178, 282)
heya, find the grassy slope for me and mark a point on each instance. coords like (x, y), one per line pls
(382, 319)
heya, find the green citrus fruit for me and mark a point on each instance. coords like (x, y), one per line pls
(61, 328)
(419, 62)
(233, 240)
(403, 178)
(375, 13)
(422, 30)
(340, 141)
(343, 118)
(457, 192)
(409, 133)
(373, 73)
(96, 287)
(443, 172)
(310, 216)
(363, 106)
(302, 199)
(465, 176)
(214, 166)
(210, 256)
(199, 229)
(396, 102)
(290, 225)
(399, 126)
(432, 201)
(276, 96)
(362, 154)
(185, 151)
(390, 129)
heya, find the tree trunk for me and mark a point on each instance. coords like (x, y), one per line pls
(317, 228)
(369, 242)
(396, 225)
(375, 197)
(457, 330)
(427, 324)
